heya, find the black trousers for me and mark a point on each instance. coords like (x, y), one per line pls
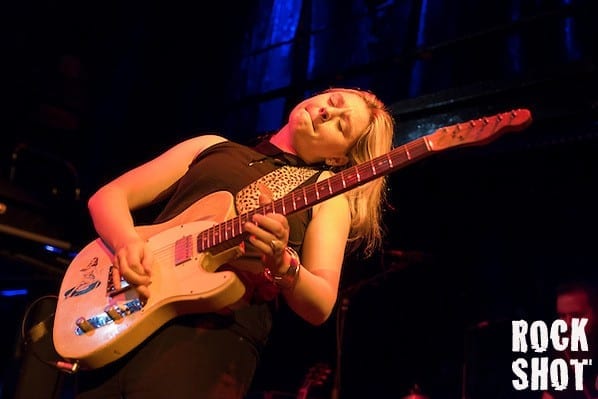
(182, 360)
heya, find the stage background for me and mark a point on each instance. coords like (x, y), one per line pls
(477, 236)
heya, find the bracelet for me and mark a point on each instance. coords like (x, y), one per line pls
(289, 278)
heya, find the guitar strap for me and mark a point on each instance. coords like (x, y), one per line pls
(291, 173)
(279, 182)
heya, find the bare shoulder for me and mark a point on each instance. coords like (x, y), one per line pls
(192, 147)
(325, 175)
(204, 141)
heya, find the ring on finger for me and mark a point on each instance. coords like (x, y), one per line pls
(276, 246)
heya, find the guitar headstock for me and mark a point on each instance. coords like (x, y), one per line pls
(478, 131)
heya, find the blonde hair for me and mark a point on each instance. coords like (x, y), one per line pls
(366, 201)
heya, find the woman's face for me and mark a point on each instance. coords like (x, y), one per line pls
(325, 126)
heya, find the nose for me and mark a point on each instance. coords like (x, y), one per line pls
(327, 113)
(324, 114)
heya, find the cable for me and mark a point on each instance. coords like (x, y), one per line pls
(35, 333)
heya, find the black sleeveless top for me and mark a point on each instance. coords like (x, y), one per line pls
(230, 166)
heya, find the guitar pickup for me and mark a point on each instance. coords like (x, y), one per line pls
(111, 314)
(183, 250)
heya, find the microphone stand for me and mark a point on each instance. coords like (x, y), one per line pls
(340, 326)
(342, 311)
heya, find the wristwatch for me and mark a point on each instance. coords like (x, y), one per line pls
(289, 278)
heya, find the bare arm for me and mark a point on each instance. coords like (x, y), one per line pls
(110, 207)
(322, 256)
(315, 293)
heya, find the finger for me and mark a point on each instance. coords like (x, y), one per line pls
(147, 262)
(133, 273)
(136, 279)
(273, 224)
(266, 242)
(116, 276)
(266, 195)
(143, 291)
(260, 245)
(138, 261)
(266, 248)
(257, 232)
(276, 246)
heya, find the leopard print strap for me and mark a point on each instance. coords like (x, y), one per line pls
(280, 182)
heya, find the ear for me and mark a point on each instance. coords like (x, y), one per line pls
(337, 161)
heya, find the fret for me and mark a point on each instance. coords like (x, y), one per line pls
(221, 232)
(206, 238)
(294, 201)
(334, 186)
(350, 178)
(304, 196)
(238, 225)
(407, 154)
(312, 195)
(382, 165)
(402, 155)
(366, 172)
(204, 243)
(322, 188)
(227, 230)
(216, 235)
(373, 166)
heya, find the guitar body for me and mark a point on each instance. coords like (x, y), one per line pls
(96, 322)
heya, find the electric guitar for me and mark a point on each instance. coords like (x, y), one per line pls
(96, 323)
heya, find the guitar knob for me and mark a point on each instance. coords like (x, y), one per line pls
(114, 312)
(84, 324)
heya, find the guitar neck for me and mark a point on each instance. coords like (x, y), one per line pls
(230, 233)
(349, 178)
(480, 131)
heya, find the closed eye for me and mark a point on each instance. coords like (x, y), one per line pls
(336, 100)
